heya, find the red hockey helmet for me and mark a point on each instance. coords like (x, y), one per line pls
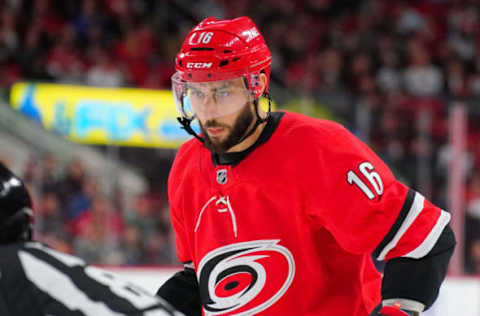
(220, 50)
(223, 49)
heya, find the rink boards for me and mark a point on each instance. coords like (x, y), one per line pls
(458, 295)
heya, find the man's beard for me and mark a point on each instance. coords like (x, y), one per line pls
(237, 131)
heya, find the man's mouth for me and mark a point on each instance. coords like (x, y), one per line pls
(214, 131)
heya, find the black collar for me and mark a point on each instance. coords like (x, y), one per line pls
(234, 158)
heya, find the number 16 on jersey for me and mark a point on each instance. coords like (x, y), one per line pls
(367, 170)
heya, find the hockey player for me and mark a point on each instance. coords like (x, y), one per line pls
(36, 280)
(279, 213)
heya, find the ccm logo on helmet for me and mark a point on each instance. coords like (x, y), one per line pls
(199, 65)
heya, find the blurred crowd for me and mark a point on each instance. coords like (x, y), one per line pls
(109, 43)
(73, 214)
(391, 71)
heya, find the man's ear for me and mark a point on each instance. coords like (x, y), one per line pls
(263, 81)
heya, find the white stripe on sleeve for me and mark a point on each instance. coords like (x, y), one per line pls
(415, 209)
(432, 237)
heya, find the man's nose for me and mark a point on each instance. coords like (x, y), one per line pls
(209, 101)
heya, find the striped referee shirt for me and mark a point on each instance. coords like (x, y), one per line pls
(36, 280)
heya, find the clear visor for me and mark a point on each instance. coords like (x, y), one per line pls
(209, 100)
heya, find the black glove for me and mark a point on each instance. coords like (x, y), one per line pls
(392, 311)
(181, 291)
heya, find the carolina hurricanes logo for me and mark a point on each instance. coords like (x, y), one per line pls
(245, 278)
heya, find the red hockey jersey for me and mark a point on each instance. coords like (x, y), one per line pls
(291, 228)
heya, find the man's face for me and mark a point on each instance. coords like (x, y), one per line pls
(211, 100)
(223, 133)
(224, 111)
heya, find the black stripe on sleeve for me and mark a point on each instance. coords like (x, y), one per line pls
(407, 204)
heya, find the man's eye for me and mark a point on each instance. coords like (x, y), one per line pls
(223, 93)
(198, 94)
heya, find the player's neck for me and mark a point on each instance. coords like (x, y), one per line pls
(250, 140)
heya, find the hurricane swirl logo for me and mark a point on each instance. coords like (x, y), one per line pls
(245, 278)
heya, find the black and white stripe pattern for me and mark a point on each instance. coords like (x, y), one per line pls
(61, 284)
(412, 207)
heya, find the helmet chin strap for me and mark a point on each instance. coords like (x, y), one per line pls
(186, 123)
(259, 120)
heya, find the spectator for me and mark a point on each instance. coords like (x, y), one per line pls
(422, 78)
(49, 218)
(104, 72)
(9, 41)
(99, 232)
(388, 77)
(132, 248)
(472, 226)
